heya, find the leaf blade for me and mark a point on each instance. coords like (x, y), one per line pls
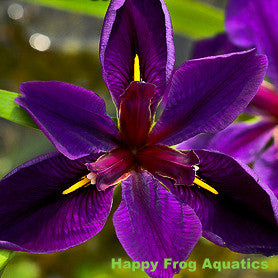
(5, 256)
(11, 111)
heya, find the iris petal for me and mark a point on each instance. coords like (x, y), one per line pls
(152, 225)
(136, 27)
(38, 218)
(206, 95)
(266, 167)
(241, 140)
(168, 162)
(74, 119)
(243, 216)
(218, 45)
(252, 23)
(265, 102)
(111, 168)
(135, 114)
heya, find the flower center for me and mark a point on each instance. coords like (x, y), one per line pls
(134, 152)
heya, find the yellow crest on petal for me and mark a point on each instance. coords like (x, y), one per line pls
(83, 182)
(137, 74)
(200, 182)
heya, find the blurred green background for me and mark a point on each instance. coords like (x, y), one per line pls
(43, 43)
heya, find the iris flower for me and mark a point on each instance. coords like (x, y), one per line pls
(170, 198)
(250, 23)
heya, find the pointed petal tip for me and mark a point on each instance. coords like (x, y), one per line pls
(73, 118)
(225, 85)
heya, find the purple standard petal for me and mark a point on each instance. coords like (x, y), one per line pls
(218, 45)
(35, 215)
(243, 215)
(266, 167)
(136, 27)
(73, 118)
(206, 95)
(255, 23)
(241, 140)
(152, 225)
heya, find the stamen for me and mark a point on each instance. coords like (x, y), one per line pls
(196, 168)
(198, 181)
(83, 182)
(137, 76)
(93, 177)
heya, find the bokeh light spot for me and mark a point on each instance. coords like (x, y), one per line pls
(40, 42)
(15, 11)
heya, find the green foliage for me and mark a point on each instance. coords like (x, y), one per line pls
(195, 19)
(22, 269)
(5, 255)
(189, 17)
(12, 111)
(247, 118)
(115, 120)
(88, 7)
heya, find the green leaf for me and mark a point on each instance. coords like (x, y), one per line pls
(10, 110)
(189, 17)
(115, 120)
(5, 255)
(195, 19)
(247, 118)
(88, 7)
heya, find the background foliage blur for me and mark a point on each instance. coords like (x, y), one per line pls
(41, 43)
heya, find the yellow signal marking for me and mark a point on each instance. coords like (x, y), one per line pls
(198, 181)
(84, 181)
(137, 75)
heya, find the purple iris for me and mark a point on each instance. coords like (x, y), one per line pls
(250, 23)
(170, 198)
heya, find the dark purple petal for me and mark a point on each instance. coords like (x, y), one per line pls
(152, 225)
(136, 27)
(73, 118)
(243, 216)
(254, 23)
(165, 161)
(34, 214)
(135, 115)
(241, 140)
(206, 95)
(218, 45)
(267, 168)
